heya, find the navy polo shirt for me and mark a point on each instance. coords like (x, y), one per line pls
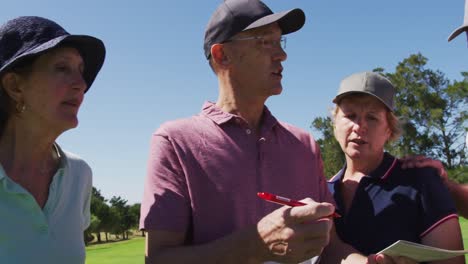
(391, 204)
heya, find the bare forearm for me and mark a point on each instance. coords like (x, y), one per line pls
(239, 247)
(460, 196)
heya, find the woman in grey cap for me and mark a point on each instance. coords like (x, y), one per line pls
(44, 191)
(381, 203)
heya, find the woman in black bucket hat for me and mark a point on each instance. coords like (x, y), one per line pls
(45, 192)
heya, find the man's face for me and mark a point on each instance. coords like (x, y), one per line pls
(255, 61)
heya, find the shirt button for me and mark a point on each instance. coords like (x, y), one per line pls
(248, 131)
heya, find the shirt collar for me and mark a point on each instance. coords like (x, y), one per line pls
(2, 173)
(61, 155)
(213, 112)
(381, 172)
(9, 185)
(63, 162)
(339, 175)
(385, 167)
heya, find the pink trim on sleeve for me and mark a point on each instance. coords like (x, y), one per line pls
(389, 169)
(438, 223)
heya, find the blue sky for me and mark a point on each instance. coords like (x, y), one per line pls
(155, 69)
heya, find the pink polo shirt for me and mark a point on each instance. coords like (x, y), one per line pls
(204, 173)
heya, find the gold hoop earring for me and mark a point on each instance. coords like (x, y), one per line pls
(20, 108)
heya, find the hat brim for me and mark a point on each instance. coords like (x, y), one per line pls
(91, 49)
(338, 98)
(289, 21)
(458, 31)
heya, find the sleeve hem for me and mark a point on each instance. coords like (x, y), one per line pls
(437, 224)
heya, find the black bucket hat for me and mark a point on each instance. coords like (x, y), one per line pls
(234, 16)
(28, 36)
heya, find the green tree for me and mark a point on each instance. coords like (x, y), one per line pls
(101, 210)
(332, 155)
(95, 222)
(123, 219)
(93, 228)
(433, 109)
(135, 215)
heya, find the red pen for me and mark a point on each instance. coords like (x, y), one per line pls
(286, 201)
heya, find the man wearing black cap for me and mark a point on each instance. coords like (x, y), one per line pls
(460, 191)
(463, 27)
(200, 203)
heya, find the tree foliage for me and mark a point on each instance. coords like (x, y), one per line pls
(434, 111)
(101, 210)
(333, 158)
(123, 220)
(113, 216)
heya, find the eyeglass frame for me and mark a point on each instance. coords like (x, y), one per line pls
(274, 43)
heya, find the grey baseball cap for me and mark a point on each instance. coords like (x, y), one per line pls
(463, 27)
(234, 16)
(370, 83)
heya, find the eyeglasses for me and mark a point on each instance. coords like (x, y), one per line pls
(266, 42)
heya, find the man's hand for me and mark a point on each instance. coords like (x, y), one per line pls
(384, 259)
(296, 234)
(420, 161)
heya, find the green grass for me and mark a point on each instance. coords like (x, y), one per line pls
(132, 251)
(123, 252)
(464, 229)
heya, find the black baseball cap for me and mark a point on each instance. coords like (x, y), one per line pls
(234, 16)
(463, 27)
(29, 36)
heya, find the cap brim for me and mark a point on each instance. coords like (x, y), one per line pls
(458, 31)
(338, 98)
(289, 21)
